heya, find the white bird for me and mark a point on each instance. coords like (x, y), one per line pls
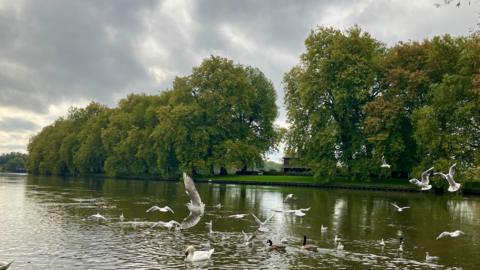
(97, 217)
(284, 240)
(400, 209)
(5, 265)
(122, 218)
(168, 225)
(262, 224)
(289, 197)
(456, 233)
(248, 238)
(339, 246)
(429, 258)
(424, 184)
(161, 209)
(400, 247)
(337, 238)
(298, 212)
(238, 216)
(196, 206)
(453, 186)
(194, 256)
(209, 226)
(384, 163)
(382, 243)
(323, 229)
(218, 205)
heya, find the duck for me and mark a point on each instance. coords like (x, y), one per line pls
(5, 265)
(273, 247)
(308, 247)
(194, 256)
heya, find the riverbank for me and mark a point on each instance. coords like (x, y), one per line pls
(401, 185)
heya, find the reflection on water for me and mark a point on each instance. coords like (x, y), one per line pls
(43, 226)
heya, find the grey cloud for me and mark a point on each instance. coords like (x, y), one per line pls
(15, 124)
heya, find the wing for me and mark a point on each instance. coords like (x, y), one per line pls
(443, 234)
(405, 207)
(396, 206)
(256, 219)
(191, 190)
(452, 170)
(268, 219)
(169, 209)
(191, 220)
(426, 175)
(151, 209)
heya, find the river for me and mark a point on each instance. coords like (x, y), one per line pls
(44, 226)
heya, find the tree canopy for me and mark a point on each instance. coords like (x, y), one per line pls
(351, 101)
(218, 117)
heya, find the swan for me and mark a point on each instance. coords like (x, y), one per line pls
(196, 206)
(5, 265)
(424, 184)
(97, 217)
(272, 247)
(161, 209)
(456, 233)
(308, 247)
(400, 209)
(194, 256)
(384, 163)
(453, 186)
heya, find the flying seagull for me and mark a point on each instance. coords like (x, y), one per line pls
(97, 217)
(262, 224)
(196, 206)
(424, 184)
(400, 209)
(456, 233)
(5, 265)
(238, 216)
(384, 163)
(453, 186)
(248, 238)
(161, 209)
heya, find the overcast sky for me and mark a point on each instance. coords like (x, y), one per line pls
(58, 54)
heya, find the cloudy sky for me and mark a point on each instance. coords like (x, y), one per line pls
(57, 54)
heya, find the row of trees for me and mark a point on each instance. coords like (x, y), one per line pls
(351, 101)
(13, 162)
(219, 117)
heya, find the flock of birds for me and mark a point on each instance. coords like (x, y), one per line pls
(197, 209)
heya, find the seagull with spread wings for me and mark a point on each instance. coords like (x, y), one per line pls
(453, 186)
(196, 206)
(262, 224)
(424, 183)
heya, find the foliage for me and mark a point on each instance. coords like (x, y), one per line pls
(220, 116)
(351, 101)
(13, 162)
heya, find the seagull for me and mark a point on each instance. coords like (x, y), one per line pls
(384, 163)
(284, 240)
(400, 209)
(424, 184)
(5, 265)
(194, 256)
(337, 238)
(289, 197)
(382, 243)
(456, 233)
(248, 238)
(308, 247)
(218, 206)
(429, 258)
(323, 229)
(161, 209)
(209, 226)
(168, 225)
(122, 218)
(238, 216)
(97, 217)
(453, 186)
(196, 206)
(262, 224)
(298, 212)
(273, 247)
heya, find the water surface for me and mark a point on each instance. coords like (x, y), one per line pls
(43, 226)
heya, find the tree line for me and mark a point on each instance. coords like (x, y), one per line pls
(219, 117)
(13, 162)
(352, 100)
